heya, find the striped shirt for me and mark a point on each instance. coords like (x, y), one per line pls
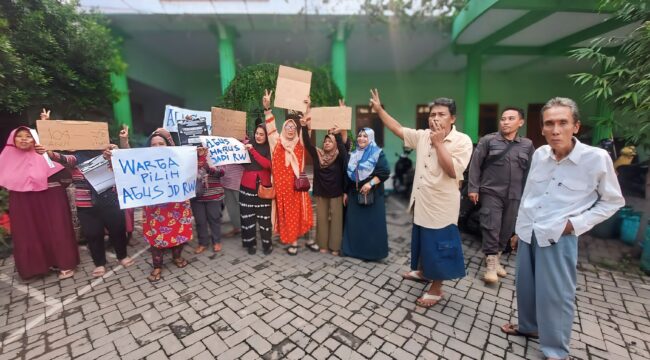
(82, 193)
(231, 179)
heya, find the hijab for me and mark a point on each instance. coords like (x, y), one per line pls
(326, 158)
(22, 170)
(289, 146)
(363, 161)
(263, 149)
(164, 134)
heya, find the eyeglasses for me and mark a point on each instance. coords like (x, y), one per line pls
(290, 127)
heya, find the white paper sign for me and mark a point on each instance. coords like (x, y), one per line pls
(154, 175)
(225, 150)
(98, 174)
(174, 113)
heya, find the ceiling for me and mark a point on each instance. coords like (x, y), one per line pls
(510, 37)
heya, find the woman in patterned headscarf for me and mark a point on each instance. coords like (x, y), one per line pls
(365, 235)
(294, 211)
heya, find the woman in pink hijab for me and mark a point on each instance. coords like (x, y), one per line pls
(42, 232)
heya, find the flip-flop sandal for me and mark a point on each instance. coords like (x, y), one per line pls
(428, 297)
(180, 263)
(312, 246)
(154, 275)
(65, 274)
(99, 271)
(126, 262)
(335, 253)
(414, 275)
(512, 329)
(216, 247)
(292, 250)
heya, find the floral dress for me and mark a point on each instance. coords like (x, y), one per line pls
(168, 225)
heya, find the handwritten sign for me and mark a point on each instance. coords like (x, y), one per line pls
(73, 135)
(98, 173)
(174, 113)
(154, 175)
(228, 123)
(190, 130)
(325, 118)
(224, 151)
(292, 88)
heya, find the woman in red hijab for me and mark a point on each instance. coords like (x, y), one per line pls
(42, 232)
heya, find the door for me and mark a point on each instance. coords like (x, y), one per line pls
(534, 125)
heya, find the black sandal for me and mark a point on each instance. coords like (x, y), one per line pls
(292, 250)
(313, 246)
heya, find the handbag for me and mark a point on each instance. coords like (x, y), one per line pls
(364, 199)
(264, 192)
(301, 183)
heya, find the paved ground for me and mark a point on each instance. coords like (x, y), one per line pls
(232, 306)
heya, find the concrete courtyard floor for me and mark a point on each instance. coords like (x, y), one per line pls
(312, 306)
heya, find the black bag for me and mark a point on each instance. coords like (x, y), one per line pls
(364, 199)
(367, 199)
(107, 198)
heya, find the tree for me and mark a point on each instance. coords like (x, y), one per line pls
(622, 79)
(245, 91)
(54, 55)
(411, 12)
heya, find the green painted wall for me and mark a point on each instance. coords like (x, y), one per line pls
(400, 92)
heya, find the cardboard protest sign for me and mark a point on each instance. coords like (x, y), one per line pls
(190, 130)
(154, 175)
(292, 88)
(325, 118)
(224, 151)
(73, 135)
(98, 173)
(174, 113)
(228, 123)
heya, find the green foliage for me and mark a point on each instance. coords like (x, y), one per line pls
(52, 55)
(412, 12)
(247, 88)
(622, 79)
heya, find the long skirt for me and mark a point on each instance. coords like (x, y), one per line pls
(365, 235)
(42, 231)
(437, 252)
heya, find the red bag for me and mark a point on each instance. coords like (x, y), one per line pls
(301, 183)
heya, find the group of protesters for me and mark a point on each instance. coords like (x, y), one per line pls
(542, 199)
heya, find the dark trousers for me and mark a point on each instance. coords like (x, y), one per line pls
(207, 214)
(157, 255)
(498, 216)
(254, 211)
(93, 222)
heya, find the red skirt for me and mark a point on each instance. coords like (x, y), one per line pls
(42, 232)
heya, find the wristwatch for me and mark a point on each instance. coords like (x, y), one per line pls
(372, 182)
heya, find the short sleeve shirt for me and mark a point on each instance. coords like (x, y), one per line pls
(435, 199)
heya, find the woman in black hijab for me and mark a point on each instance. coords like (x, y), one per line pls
(254, 209)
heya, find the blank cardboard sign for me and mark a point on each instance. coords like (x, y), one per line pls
(292, 88)
(325, 118)
(228, 123)
(73, 135)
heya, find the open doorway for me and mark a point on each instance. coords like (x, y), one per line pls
(366, 117)
(534, 124)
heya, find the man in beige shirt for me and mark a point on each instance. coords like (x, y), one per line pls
(442, 156)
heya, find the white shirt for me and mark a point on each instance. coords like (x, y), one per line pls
(582, 188)
(435, 198)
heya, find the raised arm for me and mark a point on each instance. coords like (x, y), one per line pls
(392, 124)
(269, 120)
(124, 137)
